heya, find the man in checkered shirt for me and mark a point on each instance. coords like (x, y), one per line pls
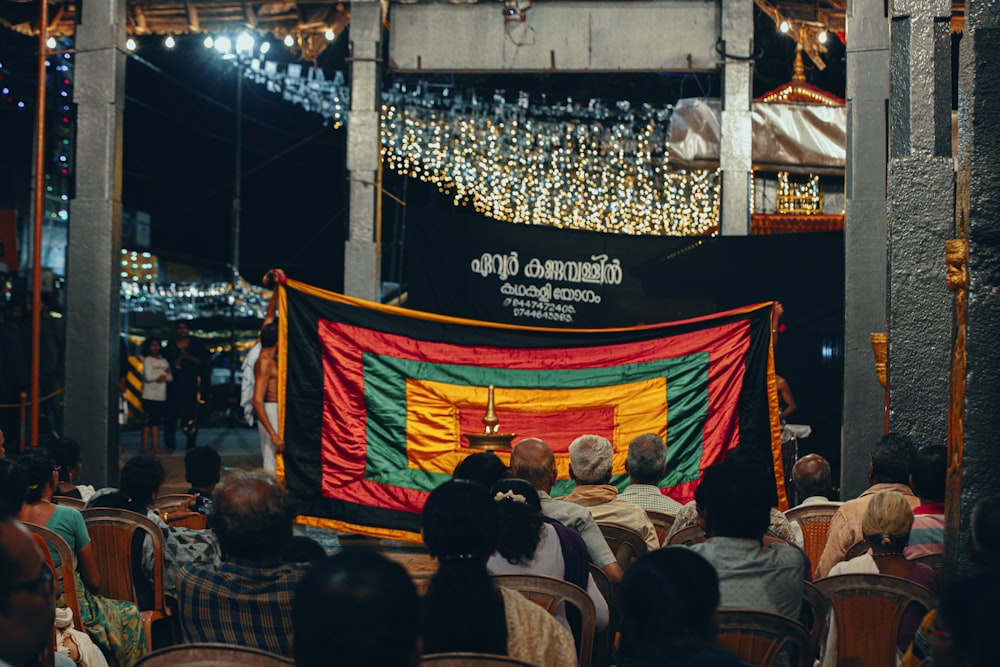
(247, 599)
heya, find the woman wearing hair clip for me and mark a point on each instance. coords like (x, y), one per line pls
(463, 609)
(532, 544)
(886, 528)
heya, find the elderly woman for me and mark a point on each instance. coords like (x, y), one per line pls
(463, 609)
(531, 544)
(886, 527)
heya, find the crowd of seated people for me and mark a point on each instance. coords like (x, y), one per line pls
(246, 580)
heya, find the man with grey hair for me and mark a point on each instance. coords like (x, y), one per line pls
(247, 599)
(646, 465)
(590, 458)
(533, 461)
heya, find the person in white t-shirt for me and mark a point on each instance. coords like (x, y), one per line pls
(156, 374)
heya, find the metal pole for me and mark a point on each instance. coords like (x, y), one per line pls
(36, 251)
(237, 193)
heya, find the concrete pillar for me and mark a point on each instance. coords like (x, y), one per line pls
(864, 237)
(93, 319)
(737, 96)
(921, 218)
(979, 217)
(362, 254)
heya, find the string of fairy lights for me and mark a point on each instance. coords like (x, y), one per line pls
(567, 164)
(606, 174)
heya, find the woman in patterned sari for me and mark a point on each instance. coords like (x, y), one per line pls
(114, 625)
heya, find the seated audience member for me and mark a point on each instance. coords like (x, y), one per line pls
(529, 544)
(463, 610)
(590, 467)
(202, 470)
(967, 617)
(886, 528)
(27, 596)
(356, 608)
(889, 470)
(69, 461)
(733, 499)
(484, 468)
(139, 485)
(669, 600)
(247, 599)
(532, 460)
(984, 551)
(114, 625)
(813, 480)
(778, 524)
(927, 479)
(646, 466)
(13, 487)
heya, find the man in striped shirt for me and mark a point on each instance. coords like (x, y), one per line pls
(927, 479)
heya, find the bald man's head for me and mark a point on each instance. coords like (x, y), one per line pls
(811, 476)
(533, 460)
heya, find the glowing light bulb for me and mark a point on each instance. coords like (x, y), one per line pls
(51, 42)
(130, 44)
(265, 47)
(329, 34)
(244, 43)
(170, 42)
(223, 44)
(289, 41)
(821, 38)
(784, 27)
(209, 42)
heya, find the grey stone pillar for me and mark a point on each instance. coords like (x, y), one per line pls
(737, 95)
(979, 215)
(864, 237)
(362, 254)
(921, 218)
(93, 314)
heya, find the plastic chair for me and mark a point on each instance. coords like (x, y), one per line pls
(688, 536)
(111, 532)
(604, 641)
(815, 615)
(868, 609)
(172, 501)
(815, 523)
(758, 637)
(75, 503)
(626, 544)
(662, 522)
(552, 593)
(933, 561)
(52, 541)
(470, 660)
(857, 549)
(212, 655)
